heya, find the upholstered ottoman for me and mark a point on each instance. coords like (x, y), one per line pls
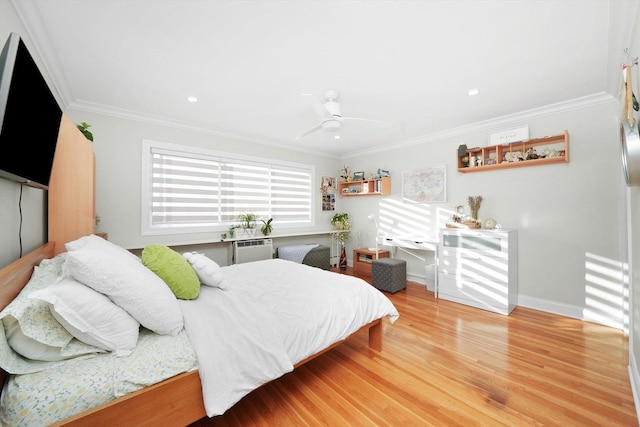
(389, 274)
(317, 257)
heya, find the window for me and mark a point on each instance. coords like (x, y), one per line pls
(186, 189)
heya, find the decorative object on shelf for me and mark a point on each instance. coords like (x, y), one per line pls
(358, 176)
(425, 185)
(340, 222)
(530, 154)
(534, 152)
(371, 187)
(382, 173)
(509, 135)
(474, 206)
(345, 173)
(490, 223)
(464, 155)
(266, 228)
(84, 128)
(458, 215)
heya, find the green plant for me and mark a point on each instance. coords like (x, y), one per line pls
(266, 228)
(231, 233)
(340, 223)
(247, 221)
(84, 128)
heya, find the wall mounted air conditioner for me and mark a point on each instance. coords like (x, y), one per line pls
(252, 250)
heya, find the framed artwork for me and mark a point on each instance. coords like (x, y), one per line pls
(328, 184)
(358, 176)
(328, 202)
(425, 185)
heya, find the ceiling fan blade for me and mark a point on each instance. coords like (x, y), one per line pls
(313, 129)
(377, 123)
(316, 105)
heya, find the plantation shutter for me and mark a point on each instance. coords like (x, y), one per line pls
(185, 190)
(196, 190)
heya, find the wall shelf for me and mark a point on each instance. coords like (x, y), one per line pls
(495, 156)
(367, 187)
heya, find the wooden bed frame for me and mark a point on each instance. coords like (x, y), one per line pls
(176, 401)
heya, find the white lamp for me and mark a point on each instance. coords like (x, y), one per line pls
(373, 217)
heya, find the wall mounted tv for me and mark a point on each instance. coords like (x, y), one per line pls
(29, 118)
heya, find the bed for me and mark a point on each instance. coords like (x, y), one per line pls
(271, 316)
(185, 397)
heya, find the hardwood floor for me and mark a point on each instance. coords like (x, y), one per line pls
(446, 364)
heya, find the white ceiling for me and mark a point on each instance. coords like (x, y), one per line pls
(409, 62)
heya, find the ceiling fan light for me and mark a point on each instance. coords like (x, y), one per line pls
(331, 125)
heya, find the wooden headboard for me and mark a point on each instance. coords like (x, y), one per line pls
(71, 212)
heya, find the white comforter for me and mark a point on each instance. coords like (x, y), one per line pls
(274, 314)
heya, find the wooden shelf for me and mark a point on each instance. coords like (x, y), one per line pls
(368, 187)
(495, 154)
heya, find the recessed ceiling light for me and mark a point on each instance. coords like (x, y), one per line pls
(336, 137)
(192, 99)
(473, 92)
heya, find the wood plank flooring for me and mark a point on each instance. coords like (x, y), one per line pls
(446, 364)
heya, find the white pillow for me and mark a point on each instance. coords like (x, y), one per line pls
(208, 271)
(120, 275)
(36, 350)
(90, 316)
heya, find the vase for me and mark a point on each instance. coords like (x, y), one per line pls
(343, 258)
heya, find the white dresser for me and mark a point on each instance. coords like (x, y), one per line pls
(479, 268)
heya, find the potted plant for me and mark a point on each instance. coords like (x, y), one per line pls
(248, 223)
(231, 233)
(84, 128)
(266, 228)
(340, 223)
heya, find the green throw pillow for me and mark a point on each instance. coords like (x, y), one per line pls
(171, 267)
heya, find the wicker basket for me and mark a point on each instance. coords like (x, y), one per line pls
(467, 224)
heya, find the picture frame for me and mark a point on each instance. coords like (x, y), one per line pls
(358, 176)
(508, 136)
(428, 185)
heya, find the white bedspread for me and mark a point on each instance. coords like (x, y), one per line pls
(274, 314)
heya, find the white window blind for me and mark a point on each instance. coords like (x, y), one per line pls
(189, 189)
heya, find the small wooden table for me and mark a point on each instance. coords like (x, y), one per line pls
(362, 259)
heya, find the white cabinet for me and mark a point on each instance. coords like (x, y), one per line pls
(479, 268)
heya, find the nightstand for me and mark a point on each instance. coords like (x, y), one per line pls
(362, 259)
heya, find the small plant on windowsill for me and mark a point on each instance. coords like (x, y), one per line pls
(266, 228)
(231, 233)
(248, 223)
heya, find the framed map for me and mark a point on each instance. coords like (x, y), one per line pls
(425, 185)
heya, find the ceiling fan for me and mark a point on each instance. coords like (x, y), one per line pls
(331, 119)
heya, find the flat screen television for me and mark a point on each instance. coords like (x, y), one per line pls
(29, 118)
